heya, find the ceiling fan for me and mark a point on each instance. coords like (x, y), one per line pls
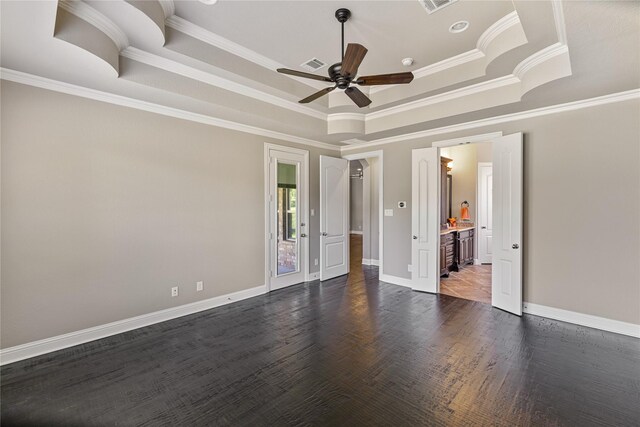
(344, 73)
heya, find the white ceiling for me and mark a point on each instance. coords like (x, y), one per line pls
(218, 61)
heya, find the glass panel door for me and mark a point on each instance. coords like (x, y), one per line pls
(287, 216)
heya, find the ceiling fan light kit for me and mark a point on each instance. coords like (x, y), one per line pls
(345, 73)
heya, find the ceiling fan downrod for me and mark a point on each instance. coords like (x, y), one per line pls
(342, 15)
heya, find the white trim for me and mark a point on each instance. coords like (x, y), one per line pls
(168, 7)
(496, 29)
(551, 109)
(366, 261)
(84, 92)
(355, 232)
(378, 154)
(496, 83)
(217, 81)
(558, 17)
(313, 276)
(538, 58)
(476, 261)
(345, 116)
(227, 45)
(91, 16)
(588, 320)
(304, 218)
(47, 345)
(395, 280)
(488, 36)
(485, 137)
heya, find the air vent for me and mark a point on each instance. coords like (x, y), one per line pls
(313, 64)
(435, 5)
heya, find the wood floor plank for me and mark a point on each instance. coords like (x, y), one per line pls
(348, 351)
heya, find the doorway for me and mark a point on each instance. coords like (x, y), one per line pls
(286, 206)
(466, 221)
(437, 245)
(366, 212)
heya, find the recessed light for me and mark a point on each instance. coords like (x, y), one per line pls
(459, 26)
(209, 2)
(407, 62)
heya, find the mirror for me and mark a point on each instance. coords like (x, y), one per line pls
(287, 215)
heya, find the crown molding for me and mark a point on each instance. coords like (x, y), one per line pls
(446, 96)
(346, 116)
(168, 7)
(487, 37)
(206, 36)
(537, 112)
(558, 17)
(217, 81)
(91, 16)
(498, 27)
(97, 95)
(538, 58)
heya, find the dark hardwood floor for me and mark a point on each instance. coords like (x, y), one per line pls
(348, 351)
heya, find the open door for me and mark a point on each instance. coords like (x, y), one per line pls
(425, 197)
(506, 285)
(334, 217)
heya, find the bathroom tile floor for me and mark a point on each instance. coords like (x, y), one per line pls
(472, 282)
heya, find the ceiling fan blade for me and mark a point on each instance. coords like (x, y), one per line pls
(317, 95)
(385, 79)
(302, 74)
(352, 59)
(357, 96)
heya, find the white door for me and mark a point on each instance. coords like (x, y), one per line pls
(287, 219)
(334, 217)
(425, 208)
(485, 212)
(506, 285)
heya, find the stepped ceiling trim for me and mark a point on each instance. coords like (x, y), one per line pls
(91, 16)
(84, 92)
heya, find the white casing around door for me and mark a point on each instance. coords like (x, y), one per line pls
(425, 224)
(485, 213)
(334, 217)
(506, 284)
(300, 160)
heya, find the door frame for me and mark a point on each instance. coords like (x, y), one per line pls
(485, 137)
(379, 155)
(476, 259)
(304, 215)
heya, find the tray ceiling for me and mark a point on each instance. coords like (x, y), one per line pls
(219, 60)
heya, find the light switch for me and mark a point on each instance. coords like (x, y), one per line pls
(313, 212)
(388, 212)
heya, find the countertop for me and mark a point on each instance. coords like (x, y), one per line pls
(451, 230)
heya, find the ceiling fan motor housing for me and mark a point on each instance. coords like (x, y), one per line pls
(334, 74)
(342, 15)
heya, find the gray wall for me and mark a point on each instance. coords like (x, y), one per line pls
(105, 208)
(581, 169)
(355, 197)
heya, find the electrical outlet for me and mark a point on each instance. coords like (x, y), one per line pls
(174, 291)
(410, 268)
(315, 261)
(313, 212)
(199, 286)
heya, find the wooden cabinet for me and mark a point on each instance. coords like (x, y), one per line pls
(465, 245)
(447, 253)
(456, 250)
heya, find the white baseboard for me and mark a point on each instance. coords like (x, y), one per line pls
(396, 280)
(624, 328)
(355, 232)
(313, 276)
(366, 261)
(47, 345)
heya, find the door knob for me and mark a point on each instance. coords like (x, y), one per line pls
(515, 246)
(303, 235)
(415, 237)
(483, 227)
(323, 233)
(302, 224)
